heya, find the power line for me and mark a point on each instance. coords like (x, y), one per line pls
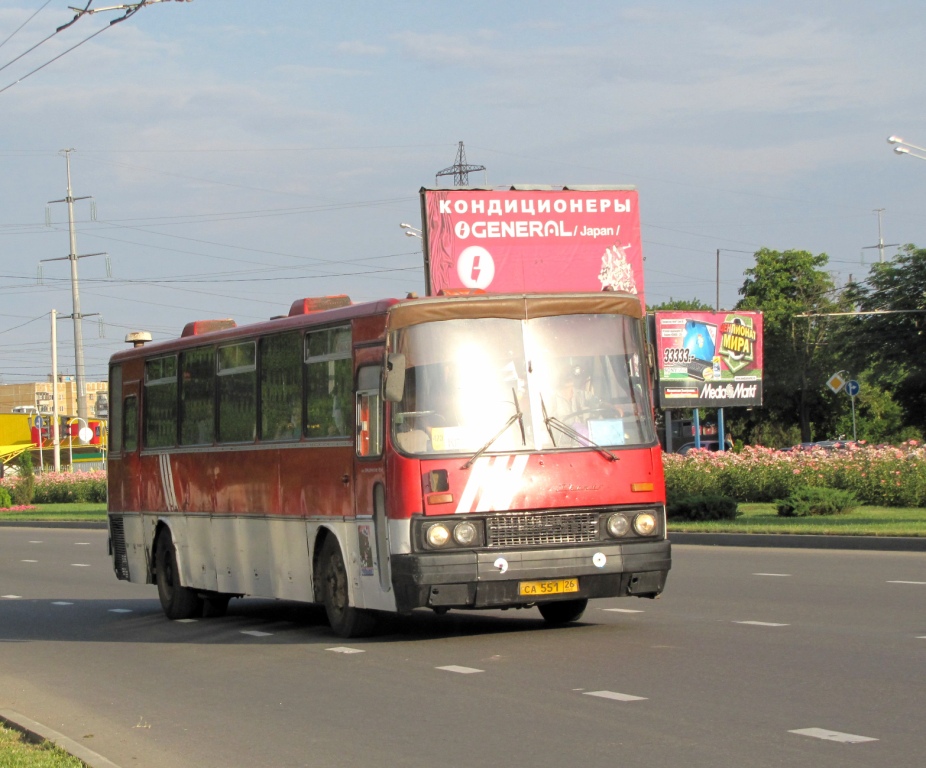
(10, 36)
(130, 10)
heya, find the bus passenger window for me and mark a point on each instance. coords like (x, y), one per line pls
(237, 392)
(281, 387)
(197, 401)
(329, 385)
(160, 429)
(130, 424)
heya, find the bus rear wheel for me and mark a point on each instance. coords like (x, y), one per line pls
(345, 620)
(178, 602)
(562, 611)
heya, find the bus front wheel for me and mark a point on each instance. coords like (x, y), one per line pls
(562, 611)
(345, 620)
(178, 602)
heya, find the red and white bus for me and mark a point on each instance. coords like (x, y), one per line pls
(471, 451)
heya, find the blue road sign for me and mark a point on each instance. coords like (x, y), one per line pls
(852, 388)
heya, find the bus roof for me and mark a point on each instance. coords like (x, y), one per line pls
(406, 312)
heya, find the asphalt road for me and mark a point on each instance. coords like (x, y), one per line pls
(747, 650)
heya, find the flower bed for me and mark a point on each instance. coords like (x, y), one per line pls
(66, 487)
(888, 476)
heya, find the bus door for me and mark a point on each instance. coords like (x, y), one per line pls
(370, 493)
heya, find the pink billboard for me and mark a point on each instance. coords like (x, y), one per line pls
(709, 359)
(532, 239)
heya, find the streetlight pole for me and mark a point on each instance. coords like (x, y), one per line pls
(906, 148)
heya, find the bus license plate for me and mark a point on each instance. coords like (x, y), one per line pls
(555, 587)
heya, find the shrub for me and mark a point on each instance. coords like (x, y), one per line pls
(697, 508)
(5, 500)
(67, 488)
(883, 475)
(24, 488)
(805, 502)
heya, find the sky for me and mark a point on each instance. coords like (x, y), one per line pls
(242, 155)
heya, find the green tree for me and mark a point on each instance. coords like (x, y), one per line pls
(798, 357)
(690, 305)
(892, 346)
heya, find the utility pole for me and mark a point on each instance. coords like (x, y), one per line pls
(76, 315)
(56, 436)
(881, 244)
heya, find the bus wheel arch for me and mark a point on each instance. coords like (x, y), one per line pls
(333, 590)
(177, 601)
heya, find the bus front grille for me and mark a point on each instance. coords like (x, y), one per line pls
(528, 529)
(120, 557)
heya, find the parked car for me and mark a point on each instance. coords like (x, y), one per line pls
(708, 445)
(826, 445)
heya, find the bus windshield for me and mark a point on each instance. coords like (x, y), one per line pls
(503, 385)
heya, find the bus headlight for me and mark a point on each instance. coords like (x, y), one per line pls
(618, 525)
(644, 524)
(464, 534)
(438, 535)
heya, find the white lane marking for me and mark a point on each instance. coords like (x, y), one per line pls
(81, 565)
(762, 623)
(622, 610)
(460, 670)
(12, 597)
(907, 582)
(614, 695)
(345, 649)
(921, 637)
(120, 610)
(61, 602)
(28, 561)
(771, 574)
(822, 733)
(186, 621)
(255, 633)
(81, 543)
(36, 542)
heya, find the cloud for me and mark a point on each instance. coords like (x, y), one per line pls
(359, 48)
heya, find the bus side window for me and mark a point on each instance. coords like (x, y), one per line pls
(369, 411)
(130, 424)
(328, 382)
(115, 413)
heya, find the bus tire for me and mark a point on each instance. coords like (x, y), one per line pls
(563, 611)
(177, 601)
(345, 620)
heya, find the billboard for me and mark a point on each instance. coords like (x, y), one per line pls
(709, 359)
(532, 239)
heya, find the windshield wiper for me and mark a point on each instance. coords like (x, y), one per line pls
(552, 421)
(477, 454)
(518, 416)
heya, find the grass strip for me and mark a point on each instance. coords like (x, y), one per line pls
(862, 521)
(17, 752)
(78, 512)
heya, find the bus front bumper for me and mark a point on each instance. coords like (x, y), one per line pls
(492, 579)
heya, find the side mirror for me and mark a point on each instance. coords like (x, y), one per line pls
(395, 378)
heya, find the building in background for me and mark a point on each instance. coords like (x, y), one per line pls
(22, 398)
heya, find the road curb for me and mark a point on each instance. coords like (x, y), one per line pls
(37, 733)
(803, 541)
